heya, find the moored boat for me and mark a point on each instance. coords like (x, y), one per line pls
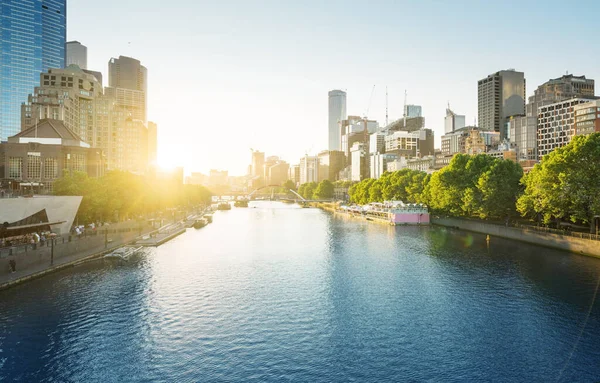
(224, 206)
(241, 203)
(123, 253)
(208, 218)
(200, 223)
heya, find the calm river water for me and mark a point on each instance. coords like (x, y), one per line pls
(279, 293)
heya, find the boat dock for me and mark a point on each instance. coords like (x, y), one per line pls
(170, 231)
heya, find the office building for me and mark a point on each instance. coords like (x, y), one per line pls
(378, 163)
(152, 143)
(523, 135)
(469, 140)
(556, 125)
(277, 173)
(75, 97)
(34, 158)
(76, 54)
(587, 118)
(258, 162)
(331, 162)
(337, 113)
(359, 166)
(128, 85)
(68, 95)
(377, 143)
(413, 111)
(32, 36)
(410, 144)
(294, 174)
(453, 121)
(309, 169)
(562, 88)
(499, 96)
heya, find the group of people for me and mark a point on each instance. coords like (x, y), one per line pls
(31, 238)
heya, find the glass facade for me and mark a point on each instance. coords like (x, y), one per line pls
(32, 40)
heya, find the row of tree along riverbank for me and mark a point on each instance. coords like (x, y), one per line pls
(564, 189)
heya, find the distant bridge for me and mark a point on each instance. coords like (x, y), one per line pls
(275, 186)
(275, 197)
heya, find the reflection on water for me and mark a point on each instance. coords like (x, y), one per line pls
(275, 292)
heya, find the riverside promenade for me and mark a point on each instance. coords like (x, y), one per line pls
(33, 261)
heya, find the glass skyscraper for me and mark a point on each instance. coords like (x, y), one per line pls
(32, 39)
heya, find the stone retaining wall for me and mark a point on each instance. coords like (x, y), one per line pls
(556, 241)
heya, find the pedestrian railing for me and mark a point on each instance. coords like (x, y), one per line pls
(576, 234)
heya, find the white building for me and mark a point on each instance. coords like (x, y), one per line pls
(376, 142)
(379, 164)
(337, 113)
(359, 162)
(309, 169)
(556, 124)
(453, 121)
(397, 164)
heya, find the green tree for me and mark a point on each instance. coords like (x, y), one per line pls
(565, 184)
(289, 184)
(498, 190)
(324, 190)
(447, 187)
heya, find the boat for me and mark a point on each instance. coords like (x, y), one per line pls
(200, 223)
(224, 206)
(208, 218)
(241, 203)
(123, 253)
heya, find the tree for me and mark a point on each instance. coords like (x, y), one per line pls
(324, 190)
(565, 185)
(498, 190)
(307, 190)
(446, 189)
(289, 184)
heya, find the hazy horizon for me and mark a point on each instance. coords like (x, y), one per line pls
(229, 76)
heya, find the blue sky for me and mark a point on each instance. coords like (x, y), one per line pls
(226, 76)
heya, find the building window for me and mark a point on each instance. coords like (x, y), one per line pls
(34, 167)
(50, 168)
(15, 167)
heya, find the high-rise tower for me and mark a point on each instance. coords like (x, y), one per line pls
(500, 96)
(32, 35)
(337, 113)
(76, 54)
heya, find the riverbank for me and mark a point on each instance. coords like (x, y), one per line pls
(69, 252)
(555, 241)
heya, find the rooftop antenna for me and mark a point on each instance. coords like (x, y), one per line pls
(386, 106)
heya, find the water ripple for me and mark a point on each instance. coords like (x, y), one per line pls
(287, 294)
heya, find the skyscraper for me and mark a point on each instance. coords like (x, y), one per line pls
(76, 54)
(413, 111)
(500, 96)
(453, 121)
(337, 113)
(127, 84)
(32, 35)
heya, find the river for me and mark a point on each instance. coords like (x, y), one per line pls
(280, 293)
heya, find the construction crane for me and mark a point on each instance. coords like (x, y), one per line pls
(370, 100)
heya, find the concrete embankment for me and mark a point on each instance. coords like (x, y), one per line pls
(34, 261)
(556, 241)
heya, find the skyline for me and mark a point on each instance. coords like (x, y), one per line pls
(261, 77)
